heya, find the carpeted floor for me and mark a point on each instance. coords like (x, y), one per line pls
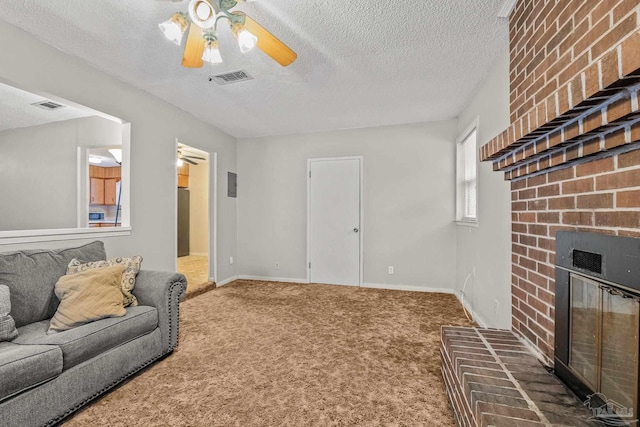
(275, 354)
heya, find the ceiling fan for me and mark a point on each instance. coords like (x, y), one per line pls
(201, 19)
(185, 156)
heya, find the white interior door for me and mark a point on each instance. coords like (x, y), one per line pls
(334, 221)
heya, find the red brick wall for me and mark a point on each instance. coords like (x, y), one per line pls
(601, 196)
(552, 42)
(572, 149)
(565, 54)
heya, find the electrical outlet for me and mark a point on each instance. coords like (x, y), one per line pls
(391, 269)
(277, 266)
(230, 260)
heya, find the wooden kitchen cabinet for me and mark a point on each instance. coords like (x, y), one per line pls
(105, 173)
(96, 191)
(110, 191)
(183, 175)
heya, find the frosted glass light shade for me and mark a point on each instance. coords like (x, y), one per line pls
(174, 28)
(212, 53)
(246, 41)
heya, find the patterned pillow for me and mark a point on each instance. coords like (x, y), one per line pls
(8, 329)
(128, 276)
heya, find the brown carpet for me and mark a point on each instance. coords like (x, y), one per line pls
(275, 354)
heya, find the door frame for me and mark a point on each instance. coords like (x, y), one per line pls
(213, 211)
(361, 227)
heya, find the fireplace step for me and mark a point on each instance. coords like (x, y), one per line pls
(492, 379)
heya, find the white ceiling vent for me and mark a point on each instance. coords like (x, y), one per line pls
(48, 105)
(232, 77)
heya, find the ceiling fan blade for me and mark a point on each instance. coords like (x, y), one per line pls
(194, 157)
(188, 161)
(270, 44)
(194, 48)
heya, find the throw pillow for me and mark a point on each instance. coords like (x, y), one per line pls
(132, 265)
(87, 296)
(8, 329)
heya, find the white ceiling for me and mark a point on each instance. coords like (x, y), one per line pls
(360, 63)
(17, 111)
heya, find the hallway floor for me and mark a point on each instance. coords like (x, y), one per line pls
(196, 269)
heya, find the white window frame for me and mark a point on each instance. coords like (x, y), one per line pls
(462, 157)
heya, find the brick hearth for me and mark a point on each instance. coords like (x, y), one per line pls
(492, 379)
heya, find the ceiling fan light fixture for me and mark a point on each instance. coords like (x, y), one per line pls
(202, 13)
(179, 163)
(174, 28)
(212, 53)
(95, 160)
(246, 40)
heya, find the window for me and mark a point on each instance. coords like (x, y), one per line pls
(467, 178)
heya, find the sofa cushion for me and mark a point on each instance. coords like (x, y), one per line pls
(88, 296)
(7, 325)
(86, 341)
(25, 366)
(32, 274)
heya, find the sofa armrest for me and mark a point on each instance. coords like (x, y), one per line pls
(162, 290)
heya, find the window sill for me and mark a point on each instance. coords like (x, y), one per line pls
(35, 236)
(464, 223)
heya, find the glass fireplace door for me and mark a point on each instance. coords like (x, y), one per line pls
(585, 329)
(604, 324)
(618, 376)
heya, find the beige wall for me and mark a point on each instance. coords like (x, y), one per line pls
(155, 125)
(484, 253)
(408, 202)
(199, 209)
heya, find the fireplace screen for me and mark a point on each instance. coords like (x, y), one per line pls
(603, 348)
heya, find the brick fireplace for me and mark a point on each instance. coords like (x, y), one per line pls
(572, 151)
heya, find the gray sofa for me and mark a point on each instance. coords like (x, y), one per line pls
(44, 378)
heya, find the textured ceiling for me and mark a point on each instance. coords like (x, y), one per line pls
(360, 63)
(16, 110)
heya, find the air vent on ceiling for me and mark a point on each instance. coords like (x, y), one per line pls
(232, 77)
(48, 105)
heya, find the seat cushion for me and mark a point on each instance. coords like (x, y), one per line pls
(25, 366)
(86, 341)
(32, 274)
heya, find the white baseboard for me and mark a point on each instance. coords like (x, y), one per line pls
(407, 288)
(272, 279)
(226, 281)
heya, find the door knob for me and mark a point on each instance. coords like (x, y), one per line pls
(355, 230)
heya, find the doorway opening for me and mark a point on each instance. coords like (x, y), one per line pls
(195, 231)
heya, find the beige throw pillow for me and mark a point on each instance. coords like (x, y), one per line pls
(84, 297)
(132, 265)
(8, 329)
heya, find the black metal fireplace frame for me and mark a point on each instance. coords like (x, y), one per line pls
(609, 259)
